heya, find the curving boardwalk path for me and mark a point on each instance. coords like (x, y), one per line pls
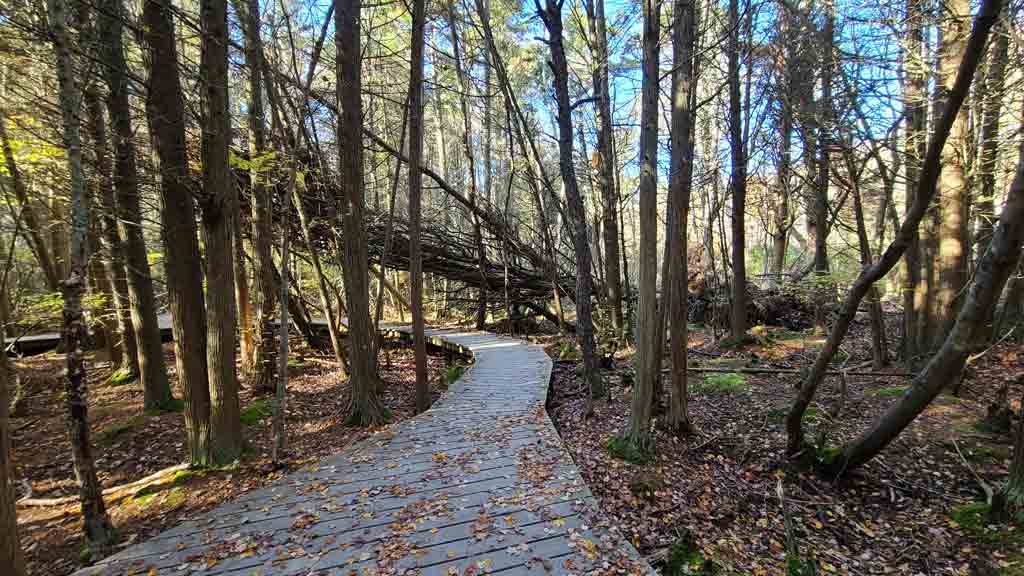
(478, 484)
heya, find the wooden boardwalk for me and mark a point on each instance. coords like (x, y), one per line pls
(478, 484)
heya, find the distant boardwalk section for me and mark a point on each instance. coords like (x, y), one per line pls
(478, 484)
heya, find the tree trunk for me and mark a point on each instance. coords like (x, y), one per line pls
(823, 286)
(467, 149)
(243, 302)
(366, 409)
(115, 342)
(914, 101)
(182, 264)
(680, 184)
(110, 239)
(648, 364)
(992, 94)
(152, 371)
(99, 533)
(738, 308)
(1010, 499)
(552, 17)
(951, 258)
(879, 346)
(970, 332)
(218, 200)
(416, 196)
(924, 191)
(605, 161)
(263, 278)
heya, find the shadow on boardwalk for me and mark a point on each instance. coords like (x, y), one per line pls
(480, 483)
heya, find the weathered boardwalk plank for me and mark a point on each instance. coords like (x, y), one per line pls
(478, 484)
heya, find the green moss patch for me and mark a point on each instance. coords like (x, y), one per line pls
(255, 411)
(891, 391)
(720, 384)
(120, 377)
(623, 449)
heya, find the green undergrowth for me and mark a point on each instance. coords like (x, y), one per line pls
(120, 377)
(737, 342)
(890, 391)
(168, 498)
(255, 411)
(623, 449)
(720, 384)
(567, 350)
(172, 405)
(453, 372)
(777, 415)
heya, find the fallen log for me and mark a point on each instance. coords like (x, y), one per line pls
(112, 492)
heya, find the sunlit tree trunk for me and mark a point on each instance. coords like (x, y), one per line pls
(217, 202)
(915, 141)
(680, 185)
(166, 110)
(991, 94)
(416, 196)
(648, 355)
(99, 533)
(366, 409)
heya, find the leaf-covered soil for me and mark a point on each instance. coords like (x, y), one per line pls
(130, 445)
(913, 510)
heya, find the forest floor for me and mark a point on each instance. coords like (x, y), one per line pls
(130, 445)
(916, 509)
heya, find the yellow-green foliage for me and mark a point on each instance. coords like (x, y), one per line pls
(720, 384)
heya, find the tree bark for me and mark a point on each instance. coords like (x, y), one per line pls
(951, 259)
(366, 409)
(110, 239)
(823, 286)
(99, 532)
(606, 162)
(680, 184)
(914, 102)
(416, 196)
(648, 354)
(263, 278)
(924, 191)
(467, 149)
(217, 202)
(182, 264)
(992, 94)
(551, 14)
(738, 177)
(152, 370)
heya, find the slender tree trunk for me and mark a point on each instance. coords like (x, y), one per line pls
(879, 346)
(218, 200)
(99, 533)
(467, 149)
(277, 452)
(924, 191)
(605, 161)
(182, 265)
(992, 94)
(152, 371)
(914, 79)
(680, 184)
(416, 196)
(738, 175)
(552, 17)
(648, 364)
(823, 286)
(366, 408)
(263, 279)
(116, 342)
(243, 302)
(970, 332)
(110, 239)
